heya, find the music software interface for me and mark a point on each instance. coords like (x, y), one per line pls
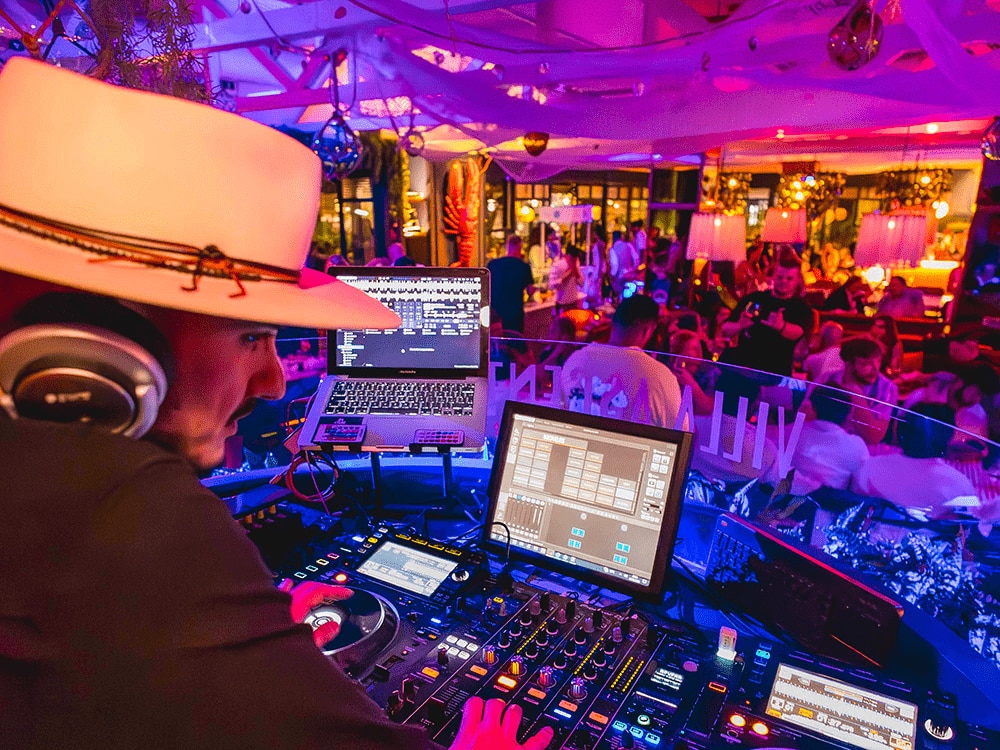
(441, 321)
(407, 568)
(587, 497)
(842, 712)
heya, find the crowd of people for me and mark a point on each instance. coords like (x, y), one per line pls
(870, 409)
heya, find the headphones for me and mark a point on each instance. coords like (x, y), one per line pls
(74, 357)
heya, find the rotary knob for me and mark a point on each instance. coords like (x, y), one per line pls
(546, 601)
(531, 651)
(561, 616)
(589, 673)
(598, 659)
(616, 635)
(504, 641)
(598, 618)
(516, 630)
(526, 616)
(580, 636)
(577, 689)
(490, 654)
(559, 662)
(535, 608)
(546, 677)
(570, 648)
(571, 609)
(552, 627)
(516, 666)
(542, 639)
(442, 656)
(589, 624)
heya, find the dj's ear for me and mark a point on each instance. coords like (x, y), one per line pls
(74, 357)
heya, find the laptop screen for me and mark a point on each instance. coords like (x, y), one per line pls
(444, 330)
(594, 497)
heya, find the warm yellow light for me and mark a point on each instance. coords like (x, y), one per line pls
(738, 720)
(925, 180)
(891, 224)
(932, 128)
(939, 264)
(759, 727)
(732, 182)
(799, 196)
(941, 209)
(796, 185)
(784, 214)
(525, 210)
(780, 134)
(718, 221)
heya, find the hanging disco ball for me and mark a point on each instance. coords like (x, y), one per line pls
(854, 41)
(991, 141)
(413, 143)
(338, 147)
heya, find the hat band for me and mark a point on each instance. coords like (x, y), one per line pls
(173, 256)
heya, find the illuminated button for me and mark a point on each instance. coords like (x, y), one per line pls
(643, 720)
(432, 636)
(464, 654)
(311, 568)
(619, 726)
(453, 651)
(536, 693)
(451, 639)
(598, 718)
(333, 555)
(568, 705)
(717, 687)
(759, 727)
(323, 562)
(509, 683)
(462, 643)
(430, 672)
(653, 740)
(637, 732)
(340, 578)
(372, 540)
(300, 574)
(738, 720)
(476, 669)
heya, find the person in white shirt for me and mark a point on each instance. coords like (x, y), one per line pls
(901, 300)
(623, 260)
(619, 379)
(566, 279)
(826, 454)
(919, 480)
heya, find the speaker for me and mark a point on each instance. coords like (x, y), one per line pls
(73, 357)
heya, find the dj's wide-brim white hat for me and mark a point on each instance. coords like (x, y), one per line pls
(96, 158)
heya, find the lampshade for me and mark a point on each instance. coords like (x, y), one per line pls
(784, 225)
(717, 237)
(888, 240)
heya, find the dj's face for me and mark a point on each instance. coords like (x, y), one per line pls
(223, 366)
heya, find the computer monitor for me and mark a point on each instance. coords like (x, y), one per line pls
(590, 496)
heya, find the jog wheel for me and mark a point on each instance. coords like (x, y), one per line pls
(367, 624)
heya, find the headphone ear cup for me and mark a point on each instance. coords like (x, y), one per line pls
(82, 358)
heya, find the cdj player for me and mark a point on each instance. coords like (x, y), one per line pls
(423, 625)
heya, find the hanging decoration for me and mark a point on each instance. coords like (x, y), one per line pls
(535, 142)
(855, 40)
(912, 187)
(991, 141)
(815, 192)
(338, 147)
(412, 143)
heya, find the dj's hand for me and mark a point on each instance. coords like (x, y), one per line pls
(483, 728)
(311, 594)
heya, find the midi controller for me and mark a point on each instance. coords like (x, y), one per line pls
(425, 625)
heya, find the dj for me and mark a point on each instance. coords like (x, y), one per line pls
(140, 237)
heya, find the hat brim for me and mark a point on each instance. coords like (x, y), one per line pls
(317, 301)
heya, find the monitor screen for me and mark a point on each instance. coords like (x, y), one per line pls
(406, 568)
(595, 497)
(444, 326)
(842, 712)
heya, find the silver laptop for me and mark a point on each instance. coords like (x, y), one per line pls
(420, 386)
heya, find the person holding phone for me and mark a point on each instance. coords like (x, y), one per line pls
(768, 324)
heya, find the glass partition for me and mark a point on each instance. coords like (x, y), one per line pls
(899, 493)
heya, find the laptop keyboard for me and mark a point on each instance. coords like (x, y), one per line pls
(396, 398)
